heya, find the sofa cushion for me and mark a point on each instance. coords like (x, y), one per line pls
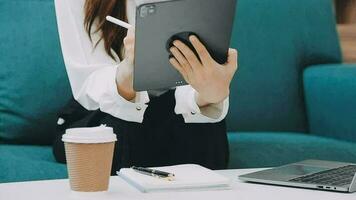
(27, 163)
(272, 149)
(33, 81)
(330, 92)
(276, 40)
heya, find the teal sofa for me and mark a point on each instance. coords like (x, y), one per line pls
(292, 99)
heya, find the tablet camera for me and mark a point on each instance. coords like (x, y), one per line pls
(147, 10)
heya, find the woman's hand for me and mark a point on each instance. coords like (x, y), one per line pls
(210, 79)
(124, 76)
(129, 44)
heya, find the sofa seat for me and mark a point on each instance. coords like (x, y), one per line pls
(261, 149)
(27, 163)
(247, 150)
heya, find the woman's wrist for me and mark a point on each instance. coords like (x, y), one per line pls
(129, 95)
(124, 71)
(124, 80)
(200, 101)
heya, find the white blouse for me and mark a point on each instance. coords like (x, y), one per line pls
(92, 73)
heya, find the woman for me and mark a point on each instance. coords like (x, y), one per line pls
(154, 128)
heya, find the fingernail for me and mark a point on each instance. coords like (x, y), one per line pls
(171, 49)
(171, 59)
(193, 37)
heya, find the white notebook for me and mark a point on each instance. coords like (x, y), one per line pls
(187, 177)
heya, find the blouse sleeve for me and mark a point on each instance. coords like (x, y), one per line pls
(187, 106)
(91, 72)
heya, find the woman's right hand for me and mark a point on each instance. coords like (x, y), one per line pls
(129, 43)
(124, 75)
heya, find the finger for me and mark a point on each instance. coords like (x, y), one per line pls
(203, 53)
(128, 41)
(232, 59)
(130, 37)
(182, 60)
(188, 54)
(131, 32)
(179, 68)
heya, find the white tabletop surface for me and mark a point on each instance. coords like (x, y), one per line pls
(120, 190)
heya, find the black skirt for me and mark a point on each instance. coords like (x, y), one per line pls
(162, 139)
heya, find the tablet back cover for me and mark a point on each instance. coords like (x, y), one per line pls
(158, 20)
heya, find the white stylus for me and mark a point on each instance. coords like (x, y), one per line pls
(118, 22)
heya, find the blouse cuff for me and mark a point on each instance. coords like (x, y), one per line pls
(114, 104)
(187, 106)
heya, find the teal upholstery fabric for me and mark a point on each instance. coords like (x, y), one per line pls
(33, 81)
(330, 92)
(26, 163)
(276, 41)
(248, 149)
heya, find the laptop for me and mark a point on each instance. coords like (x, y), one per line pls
(159, 22)
(313, 174)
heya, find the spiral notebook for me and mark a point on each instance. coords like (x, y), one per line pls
(187, 177)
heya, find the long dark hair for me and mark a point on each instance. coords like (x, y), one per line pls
(112, 35)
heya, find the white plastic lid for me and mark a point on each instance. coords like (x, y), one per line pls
(94, 135)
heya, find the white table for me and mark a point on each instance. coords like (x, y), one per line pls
(120, 190)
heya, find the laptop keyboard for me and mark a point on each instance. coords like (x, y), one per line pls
(335, 177)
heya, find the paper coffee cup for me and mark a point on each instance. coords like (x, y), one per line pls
(89, 154)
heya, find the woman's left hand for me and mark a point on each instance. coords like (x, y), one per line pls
(210, 79)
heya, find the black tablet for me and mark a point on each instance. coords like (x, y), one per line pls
(158, 21)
